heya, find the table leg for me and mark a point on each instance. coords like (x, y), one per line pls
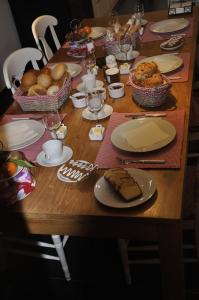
(171, 261)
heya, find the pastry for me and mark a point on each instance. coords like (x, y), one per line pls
(123, 183)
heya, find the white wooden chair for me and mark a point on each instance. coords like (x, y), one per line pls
(39, 28)
(149, 250)
(15, 64)
(13, 68)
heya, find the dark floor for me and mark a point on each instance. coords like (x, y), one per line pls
(96, 274)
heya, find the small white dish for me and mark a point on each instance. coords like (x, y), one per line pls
(116, 90)
(102, 114)
(132, 54)
(67, 154)
(78, 99)
(81, 87)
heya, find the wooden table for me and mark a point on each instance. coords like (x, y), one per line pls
(59, 208)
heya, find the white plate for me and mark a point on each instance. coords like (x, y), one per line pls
(145, 134)
(20, 134)
(102, 114)
(81, 88)
(73, 69)
(97, 32)
(67, 154)
(105, 194)
(165, 62)
(130, 55)
(169, 25)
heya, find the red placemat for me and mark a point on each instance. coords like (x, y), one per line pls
(106, 157)
(149, 36)
(33, 150)
(182, 72)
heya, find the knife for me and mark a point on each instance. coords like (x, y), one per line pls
(142, 161)
(134, 116)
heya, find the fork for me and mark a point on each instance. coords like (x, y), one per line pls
(28, 118)
(142, 161)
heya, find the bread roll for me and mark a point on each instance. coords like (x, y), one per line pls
(45, 70)
(58, 71)
(123, 183)
(36, 89)
(44, 80)
(27, 80)
(52, 90)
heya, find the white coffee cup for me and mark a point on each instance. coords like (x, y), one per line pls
(53, 150)
(89, 81)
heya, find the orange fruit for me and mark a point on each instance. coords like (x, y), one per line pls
(87, 29)
(10, 168)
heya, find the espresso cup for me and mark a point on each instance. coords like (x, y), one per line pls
(112, 75)
(89, 81)
(53, 150)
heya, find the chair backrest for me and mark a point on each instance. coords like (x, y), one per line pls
(39, 27)
(15, 64)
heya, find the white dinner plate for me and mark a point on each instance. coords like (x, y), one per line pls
(143, 135)
(106, 195)
(81, 87)
(67, 154)
(73, 69)
(169, 25)
(22, 133)
(165, 62)
(97, 32)
(105, 112)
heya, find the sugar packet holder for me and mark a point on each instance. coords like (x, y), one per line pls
(75, 171)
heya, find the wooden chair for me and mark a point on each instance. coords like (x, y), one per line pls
(13, 68)
(39, 28)
(15, 64)
(148, 250)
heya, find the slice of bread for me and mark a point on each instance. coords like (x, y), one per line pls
(123, 183)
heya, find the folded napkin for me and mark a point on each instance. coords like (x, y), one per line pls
(140, 137)
(149, 36)
(182, 73)
(171, 153)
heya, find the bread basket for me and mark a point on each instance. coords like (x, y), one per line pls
(43, 102)
(150, 96)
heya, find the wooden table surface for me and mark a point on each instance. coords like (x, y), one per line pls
(56, 207)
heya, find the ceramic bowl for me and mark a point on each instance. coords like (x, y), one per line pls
(116, 90)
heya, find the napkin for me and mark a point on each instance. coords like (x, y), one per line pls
(141, 137)
(14, 135)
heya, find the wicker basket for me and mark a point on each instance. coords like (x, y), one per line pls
(150, 97)
(44, 102)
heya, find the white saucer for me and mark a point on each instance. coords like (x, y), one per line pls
(81, 88)
(104, 113)
(67, 154)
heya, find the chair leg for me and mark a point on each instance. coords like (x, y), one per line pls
(60, 251)
(123, 248)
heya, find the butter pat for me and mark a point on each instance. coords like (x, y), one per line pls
(61, 131)
(96, 133)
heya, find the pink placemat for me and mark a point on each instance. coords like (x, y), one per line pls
(182, 72)
(149, 36)
(106, 157)
(33, 150)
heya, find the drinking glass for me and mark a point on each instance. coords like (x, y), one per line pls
(125, 44)
(140, 10)
(95, 102)
(52, 121)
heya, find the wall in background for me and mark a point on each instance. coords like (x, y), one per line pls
(9, 36)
